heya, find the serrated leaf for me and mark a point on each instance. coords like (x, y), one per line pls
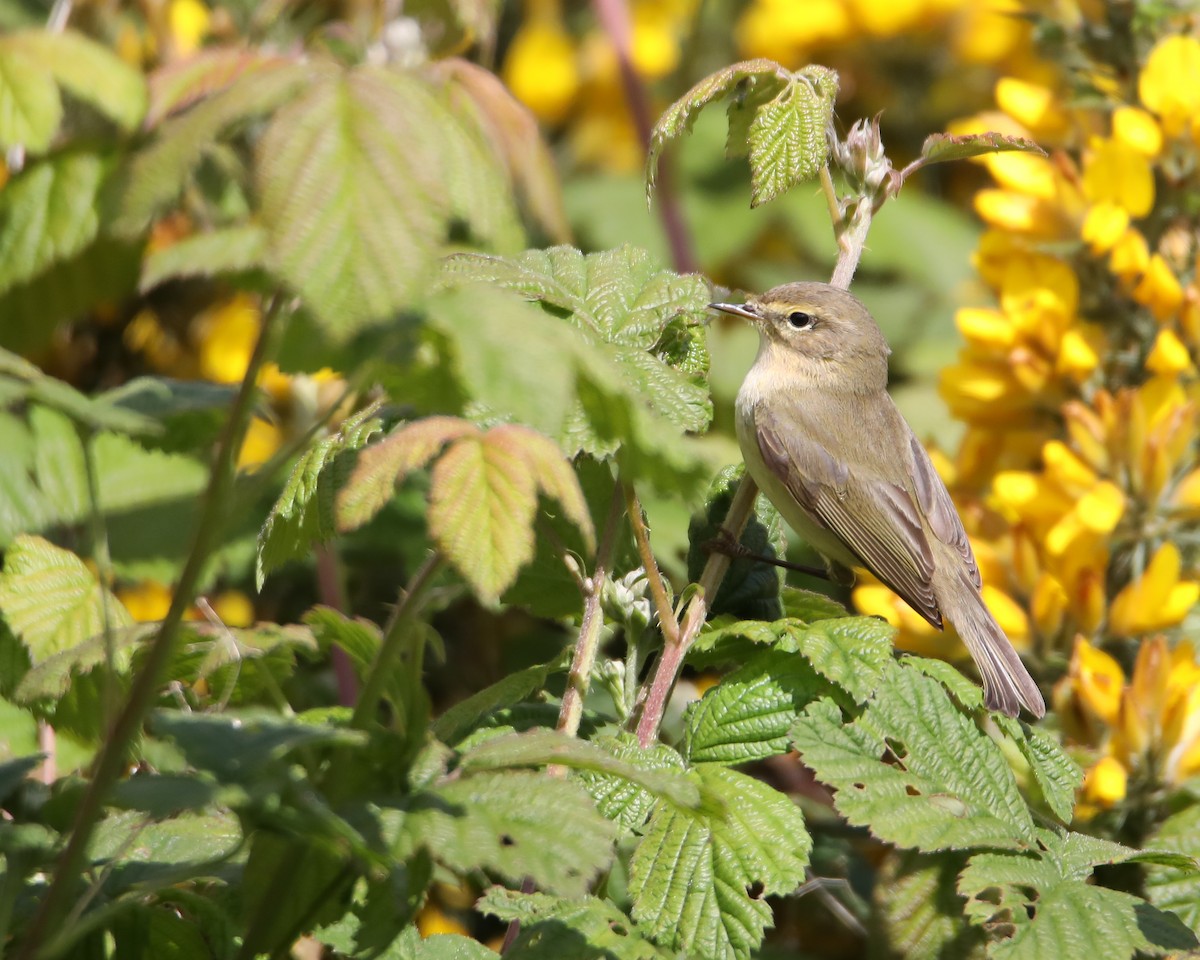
(749, 97)
(698, 882)
(157, 173)
(51, 601)
(50, 213)
(515, 823)
(1039, 910)
(554, 928)
(544, 747)
(91, 72)
(481, 509)
(678, 118)
(919, 911)
(622, 303)
(809, 606)
(1057, 776)
(620, 799)
(788, 142)
(382, 465)
(1177, 888)
(942, 147)
(948, 785)
(179, 83)
(304, 513)
(30, 107)
(347, 190)
(747, 715)
(208, 254)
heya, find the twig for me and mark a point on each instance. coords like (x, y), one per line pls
(580, 676)
(614, 18)
(658, 589)
(110, 762)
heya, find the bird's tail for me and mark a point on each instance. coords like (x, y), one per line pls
(1007, 685)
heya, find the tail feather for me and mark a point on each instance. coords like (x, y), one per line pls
(1007, 685)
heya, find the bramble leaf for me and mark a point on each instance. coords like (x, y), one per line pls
(208, 254)
(698, 881)
(515, 823)
(30, 105)
(919, 910)
(1177, 888)
(51, 601)
(947, 785)
(620, 799)
(942, 147)
(747, 715)
(90, 72)
(787, 138)
(304, 513)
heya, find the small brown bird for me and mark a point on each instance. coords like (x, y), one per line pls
(823, 440)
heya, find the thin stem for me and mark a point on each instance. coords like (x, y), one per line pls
(666, 671)
(580, 676)
(658, 589)
(112, 758)
(394, 635)
(103, 558)
(851, 242)
(332, 593)
(614, 19)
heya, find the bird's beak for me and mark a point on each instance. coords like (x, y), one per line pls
(737, 309)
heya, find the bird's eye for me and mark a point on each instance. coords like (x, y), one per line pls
(798, 320)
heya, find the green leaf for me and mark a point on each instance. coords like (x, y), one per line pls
(1056, 775)
(1177, 888)
(349, 187)
(207, 254)
(809, 606)
(632, 318)
(678, 118)
(948, 787)
(304, 513)
(91, 72)
(1043, 907)
(156, 175)
(50, 213)
(30, 107)
(919, 911)
(698, 882)
(51, 601)
(456, 722)
(537, 748)
(515, 823)
(788, 143)
(747, 716)
(942, 147)
(14, 772)
(381, 466)
(553, 928)
(621, 799)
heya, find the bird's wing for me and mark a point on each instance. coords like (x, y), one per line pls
(875, 518)
(939, 509)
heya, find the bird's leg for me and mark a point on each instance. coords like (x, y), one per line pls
(724, 543)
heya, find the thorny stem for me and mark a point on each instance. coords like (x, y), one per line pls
(213, 511)
(394, 635)
(614, 18)
(586, 646)
(852, 238)
(658, 589)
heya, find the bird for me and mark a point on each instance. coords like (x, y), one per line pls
(822, 438)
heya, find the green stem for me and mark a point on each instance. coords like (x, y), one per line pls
(103, 558)
(658, 589)
(580, 676)
(394, 636)
(113, 756)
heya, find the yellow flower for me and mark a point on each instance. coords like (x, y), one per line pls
(654, 46)
(1098, 681)
(886, 19)
(1105, 783)
(989, 32)
(782, 29)
(915, 634)
(432, 921)
(1187, 493)
(1130, 256)
(1169, 83)
(147, 602)
(1118, 174)
(1157, 599)
(189, 22)
(234, 608)
(1104, 224)
(1159, 289)
(540, 69)
(261, 442)
(1034, 106)
(1169, 356)
(226, 335)
(1138, 130)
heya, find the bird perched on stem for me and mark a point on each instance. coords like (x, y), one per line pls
(823, 440)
